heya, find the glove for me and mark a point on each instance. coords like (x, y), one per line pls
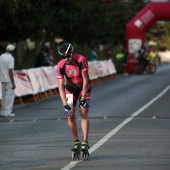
(86, 105)
(82, 101)
(67, 110)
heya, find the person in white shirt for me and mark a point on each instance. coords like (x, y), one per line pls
(7, 81)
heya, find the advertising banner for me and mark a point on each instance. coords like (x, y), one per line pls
(23, 84)
(38, 80)
(35, 79)
(50, 75)
(0, 91)
(101, 68)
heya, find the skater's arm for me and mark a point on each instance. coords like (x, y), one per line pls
(85, 82)
(62, 91)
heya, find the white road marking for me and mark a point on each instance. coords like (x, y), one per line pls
(105, 117)
(116, 129)
(154, 117)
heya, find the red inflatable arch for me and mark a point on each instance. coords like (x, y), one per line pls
(143, 21)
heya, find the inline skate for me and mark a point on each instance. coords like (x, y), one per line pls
(84, 150)
(76, 150)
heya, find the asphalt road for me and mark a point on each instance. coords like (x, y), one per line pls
(129, 128)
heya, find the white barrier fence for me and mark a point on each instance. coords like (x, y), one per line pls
(39, 80)
(165, 56)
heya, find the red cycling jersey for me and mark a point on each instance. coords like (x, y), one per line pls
(73, 72)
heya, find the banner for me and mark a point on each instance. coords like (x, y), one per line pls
(101, 68)
(50, 75)
(23, 84)
(35, 79)
(92, 70)
(104, 68)
(0, 91)
(111, 67)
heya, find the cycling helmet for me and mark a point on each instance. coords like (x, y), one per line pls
(10, 48)
(65, 49)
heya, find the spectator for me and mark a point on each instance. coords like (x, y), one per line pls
(93, 53)
(108, 51)
(124, 61)
(121, 60)
(120, 55)
(44, 58)
(7, 81)
(142, 57)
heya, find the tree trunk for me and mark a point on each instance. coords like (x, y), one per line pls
(20, 52)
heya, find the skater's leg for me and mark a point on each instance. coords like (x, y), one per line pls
(84, 124)
(73, 125)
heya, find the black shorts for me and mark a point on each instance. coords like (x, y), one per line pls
(77, 93)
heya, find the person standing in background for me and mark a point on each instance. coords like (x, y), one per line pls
(108, 51)
(44, 57)
(7, 80)
(93, 53)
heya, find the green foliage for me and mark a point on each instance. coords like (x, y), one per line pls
(160, 33)
(82, 21)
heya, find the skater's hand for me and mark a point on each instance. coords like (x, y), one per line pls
(67, 107)
(82, 100)
(67, 110)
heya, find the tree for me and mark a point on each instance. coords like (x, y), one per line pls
(83, 22)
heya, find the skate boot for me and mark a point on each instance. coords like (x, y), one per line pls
(84, 150)
(76, 150)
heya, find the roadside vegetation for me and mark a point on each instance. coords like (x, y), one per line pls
(30, 23)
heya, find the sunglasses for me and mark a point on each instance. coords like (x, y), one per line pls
(67, 56)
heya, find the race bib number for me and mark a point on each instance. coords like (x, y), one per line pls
(69, 98)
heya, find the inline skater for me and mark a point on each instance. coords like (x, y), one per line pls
(73, 68)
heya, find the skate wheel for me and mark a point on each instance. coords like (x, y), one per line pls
(72, 156)
(85, 155)
(75, 155)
